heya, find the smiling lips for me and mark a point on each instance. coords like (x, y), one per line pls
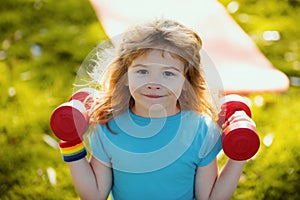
(153, 96)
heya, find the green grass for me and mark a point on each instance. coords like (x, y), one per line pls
(63, 32)
(43, 43)
(275, 172)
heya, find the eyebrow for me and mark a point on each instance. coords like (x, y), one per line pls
(167, 67)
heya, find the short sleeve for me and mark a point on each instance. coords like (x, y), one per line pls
(211, 143)
(97, 147)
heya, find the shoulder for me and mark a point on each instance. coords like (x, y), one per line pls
(202, 121)
(98, 135)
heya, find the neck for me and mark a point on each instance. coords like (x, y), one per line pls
(155, 111)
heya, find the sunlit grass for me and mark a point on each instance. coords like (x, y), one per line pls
(43, 45)
(274, 173)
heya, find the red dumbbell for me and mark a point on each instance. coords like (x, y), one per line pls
(70, 120)
(239, 139)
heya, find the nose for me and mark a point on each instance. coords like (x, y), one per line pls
(153, 86)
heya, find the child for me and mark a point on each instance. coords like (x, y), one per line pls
(154, 135)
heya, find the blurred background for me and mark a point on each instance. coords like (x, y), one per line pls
(42, 45)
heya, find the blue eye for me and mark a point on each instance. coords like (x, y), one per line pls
(142, 71)
(168, 73)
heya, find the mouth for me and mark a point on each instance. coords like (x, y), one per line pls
(153, 96)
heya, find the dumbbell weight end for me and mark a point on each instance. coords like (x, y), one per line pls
(69, 121)
(240, 140)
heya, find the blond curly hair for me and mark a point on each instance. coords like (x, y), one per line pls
(168, 36)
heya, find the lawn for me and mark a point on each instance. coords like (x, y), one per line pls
(43, 43)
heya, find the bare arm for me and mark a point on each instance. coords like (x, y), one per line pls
(205, 180)
(211, 185)
(227, 180)
(92, 179)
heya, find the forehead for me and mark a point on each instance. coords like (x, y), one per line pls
(161, 57)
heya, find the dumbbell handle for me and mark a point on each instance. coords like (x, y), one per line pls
(231, 104)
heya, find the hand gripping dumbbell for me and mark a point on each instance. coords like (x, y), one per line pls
(70, 120)
(239, 139)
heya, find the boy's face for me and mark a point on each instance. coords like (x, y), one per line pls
(155, 81)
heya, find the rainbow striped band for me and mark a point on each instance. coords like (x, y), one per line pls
(72, 150)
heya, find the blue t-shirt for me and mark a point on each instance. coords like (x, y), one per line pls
(156, 158)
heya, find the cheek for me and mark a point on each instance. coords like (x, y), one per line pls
(134, 83)
(176, 87)
(178, 91)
